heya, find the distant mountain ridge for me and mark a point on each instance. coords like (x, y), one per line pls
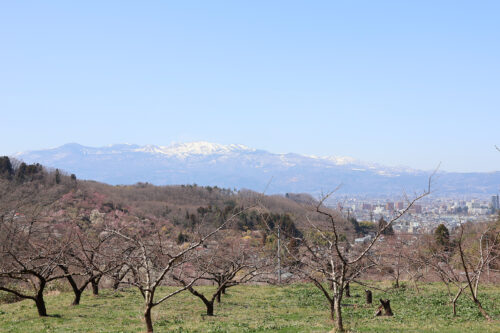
(240, 166)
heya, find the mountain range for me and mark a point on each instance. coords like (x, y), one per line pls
(238, 166)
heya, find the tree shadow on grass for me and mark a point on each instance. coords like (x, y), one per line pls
(54, 315)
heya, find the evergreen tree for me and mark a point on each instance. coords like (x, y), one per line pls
(6, 169)
(442, 235)
(355, 224)
(182, 238)
(58, 176)
(21, 171)
(381, 225)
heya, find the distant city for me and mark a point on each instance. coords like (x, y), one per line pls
(423, 217)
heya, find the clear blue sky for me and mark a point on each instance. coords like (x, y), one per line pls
(394, 82)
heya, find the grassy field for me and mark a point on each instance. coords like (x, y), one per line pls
(296, 308)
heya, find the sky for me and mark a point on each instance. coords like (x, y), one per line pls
(393, 82)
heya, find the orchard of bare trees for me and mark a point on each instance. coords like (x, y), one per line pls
(91, 236)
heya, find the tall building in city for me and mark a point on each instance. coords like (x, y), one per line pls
(416, 209)
(389, 206)
(367, 206)
(495, 204)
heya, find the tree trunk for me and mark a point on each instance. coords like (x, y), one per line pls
(416, 287)
(116, 280)
(218, 296)
(368, 296)
(481, 309)
(39, 301)
(78, 295)
(208, 303)
(398, 274)
(148, 320)
(347, 290)
(210, 308)
(40, 305)
(77, 291)
(454, 302)
(339, 325)
(224, 290)
(95, 286)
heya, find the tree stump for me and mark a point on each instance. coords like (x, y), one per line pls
(368, 295)
(386, 307)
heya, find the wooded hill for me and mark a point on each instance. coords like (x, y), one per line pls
(180, 208)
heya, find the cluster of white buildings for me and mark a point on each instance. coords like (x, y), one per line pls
(424, 216)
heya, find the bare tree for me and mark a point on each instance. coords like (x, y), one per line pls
(152, 258)
(389, 257)
(29, 258)
(475, 262)
(442, 260)
(462, 263)
(227, 262)
(413, 268)
(334, 260)
(87, 259)
(31, 245)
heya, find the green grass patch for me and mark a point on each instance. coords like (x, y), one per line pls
(295, 308)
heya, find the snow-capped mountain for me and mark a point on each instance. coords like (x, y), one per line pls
(238, 166)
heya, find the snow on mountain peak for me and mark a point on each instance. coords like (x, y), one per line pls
(338, 160)
(195, 148)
